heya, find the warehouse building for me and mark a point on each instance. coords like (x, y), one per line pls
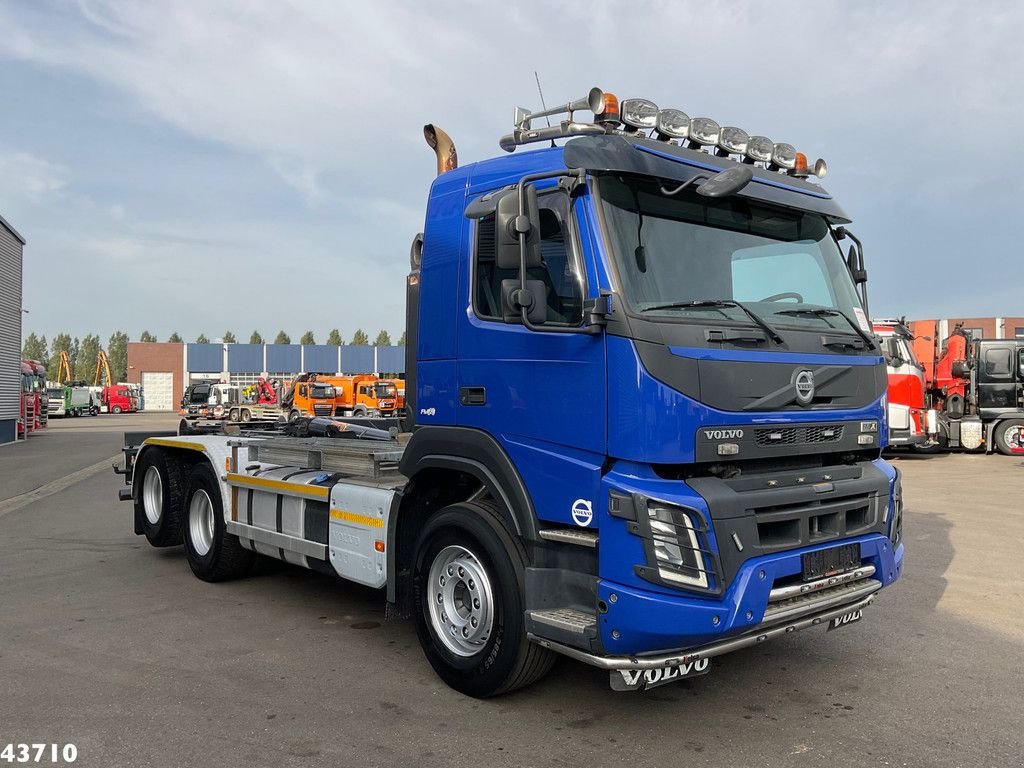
(164, 369)
(11, 249)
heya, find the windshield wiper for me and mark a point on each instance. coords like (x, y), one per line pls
(829, 313)
(718, 303)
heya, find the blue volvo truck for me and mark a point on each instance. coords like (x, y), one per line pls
(645, 416)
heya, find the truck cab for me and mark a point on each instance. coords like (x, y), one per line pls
(910, 421)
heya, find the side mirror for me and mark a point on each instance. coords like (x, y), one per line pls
(853, 262)
(510, 223)
(534, 299)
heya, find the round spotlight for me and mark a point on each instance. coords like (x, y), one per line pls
(673, 124)
(784, 156)
(733, 140)
(760, 148)
(638, 113)
(704, 130)
(820, 168)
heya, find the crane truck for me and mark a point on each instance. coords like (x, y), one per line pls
(911, 422)
(977, 388)
(645, 416)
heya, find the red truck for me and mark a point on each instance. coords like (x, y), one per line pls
(118, 398)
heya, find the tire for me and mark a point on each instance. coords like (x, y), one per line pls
(116, 409)
(212, 552)
(293, 416)
(233, 414)
(490, 654)
(360, 412)
(246, 415)
(1009, 436)
(161, 492)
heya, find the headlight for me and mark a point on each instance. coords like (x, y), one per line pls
(760, 148)
(677, 551)
(704, 130)
(733, 140)
(639, 113)
(673, 124)
(784, 156)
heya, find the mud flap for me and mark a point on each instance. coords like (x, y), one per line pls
(643, 679)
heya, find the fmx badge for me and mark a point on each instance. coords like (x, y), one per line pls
(582, 512)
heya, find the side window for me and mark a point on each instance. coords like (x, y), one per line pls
(997, 363)
(559, 271)
(303, 390)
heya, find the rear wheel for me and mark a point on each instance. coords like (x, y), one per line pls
(468, 580)
(246, 415)
(212, 552)
(1010, 437)
(233, 414)
(159, 500)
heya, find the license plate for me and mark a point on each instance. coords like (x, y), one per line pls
(847, 618)
(829, 562)
(642, 679)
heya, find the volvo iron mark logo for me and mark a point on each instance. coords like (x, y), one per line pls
(803, 382)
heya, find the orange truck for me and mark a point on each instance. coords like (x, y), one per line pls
(364, 395)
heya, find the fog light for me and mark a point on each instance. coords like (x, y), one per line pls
(639, 113)
(728, 449)
(760, 148)
(704, 130)
(673, 124)
(865, 439)
(733, 140)
(784, 156)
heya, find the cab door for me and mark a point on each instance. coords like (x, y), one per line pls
(997, 378)
(541, 395)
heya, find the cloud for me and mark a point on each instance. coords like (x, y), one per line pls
(30, 178)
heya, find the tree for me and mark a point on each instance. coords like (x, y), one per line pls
(34, 348)
(255, 338)
(61, 343)
(229, 338)
(383, 339)
(307, 338)
(282, 338)
(401, 341)
(175, 338)
(147, 337)
(85, 359)
(334, 338)
(360, 339)
(117, 355)
(201, 339)
(76, 345)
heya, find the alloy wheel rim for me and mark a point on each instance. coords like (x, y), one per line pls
(152, 495)
(461, 601)
(200, 522)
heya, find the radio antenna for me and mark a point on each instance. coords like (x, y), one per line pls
(542, 104)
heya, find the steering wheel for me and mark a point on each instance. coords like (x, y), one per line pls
(786, 295)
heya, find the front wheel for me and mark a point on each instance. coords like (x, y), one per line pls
(233, 414)
(212, 552)
(116, 409)
(468, 587)
(1010, 437)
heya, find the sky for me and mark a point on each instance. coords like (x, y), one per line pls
(199, 167)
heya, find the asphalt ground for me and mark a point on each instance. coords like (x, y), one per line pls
(114, 646)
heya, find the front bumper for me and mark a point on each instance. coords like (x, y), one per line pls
(677, 659)
(642, 622)
(905, 437)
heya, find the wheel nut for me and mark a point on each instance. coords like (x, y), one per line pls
(472, 585)
(476, 603)
(473, 621)
(462, 573)
(451, 571)
(440, 597)
(465, 631)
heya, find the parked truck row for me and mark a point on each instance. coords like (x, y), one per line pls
(308, 395)
(970, 397)
(643, 430)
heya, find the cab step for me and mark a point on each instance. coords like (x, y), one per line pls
(565, 620)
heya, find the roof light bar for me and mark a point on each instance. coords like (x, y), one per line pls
(634, 116)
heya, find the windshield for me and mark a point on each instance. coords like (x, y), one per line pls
(781, 264)
(200, 393)
(322, 392)
(384, 390)
(55, 393)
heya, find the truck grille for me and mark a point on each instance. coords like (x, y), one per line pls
(809, 523)
(322, 410)
(799, 435)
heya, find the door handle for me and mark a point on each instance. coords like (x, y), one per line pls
(473, 395)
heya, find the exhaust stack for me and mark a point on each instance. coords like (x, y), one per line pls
(443, 146)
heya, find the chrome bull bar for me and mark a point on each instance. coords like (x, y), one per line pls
(755, 637)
